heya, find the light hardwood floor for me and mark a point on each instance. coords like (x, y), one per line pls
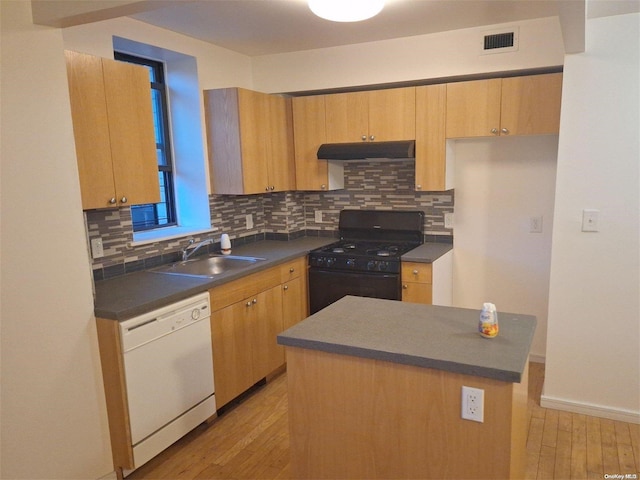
(251, 441)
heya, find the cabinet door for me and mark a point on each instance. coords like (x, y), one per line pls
(232, 341)
(473, 108)
(90, 129)
(266, 324)
(392, 114)
(347, 117)
(294, 302)
(133, 147)
(309, 133)
(254, 134)
(531, 104)
(279, 148)
(417, 282)
(430, 138)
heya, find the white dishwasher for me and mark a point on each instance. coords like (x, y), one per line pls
(168, 365)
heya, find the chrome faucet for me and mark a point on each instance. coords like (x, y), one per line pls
(186, 254)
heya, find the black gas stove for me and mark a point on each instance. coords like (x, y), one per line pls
(366, 261)
(357, 255)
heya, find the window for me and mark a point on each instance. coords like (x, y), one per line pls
(163, 214)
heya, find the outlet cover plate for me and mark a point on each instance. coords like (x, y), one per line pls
(473, 404)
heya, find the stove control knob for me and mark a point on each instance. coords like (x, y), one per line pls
(382, 266)
(330, 261)
(371, 265)
(351, 262)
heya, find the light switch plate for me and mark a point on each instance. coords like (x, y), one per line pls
(590, 220)
(249, 221)
(97, 248)
(448, 220)
(318, 216)
(535, 224)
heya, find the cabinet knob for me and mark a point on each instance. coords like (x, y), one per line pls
(112, 200)
(255, 300)
(372, 138)
(248, 304)
(494, 131)
(505, 131)
(266, 189)
(323, 187)
(364, 138)
(286, 287)
(123, 200)
(415, 272)
(291, 270)
(418, 187)
(405, 286)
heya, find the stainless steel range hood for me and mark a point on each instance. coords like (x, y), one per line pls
(404, 149)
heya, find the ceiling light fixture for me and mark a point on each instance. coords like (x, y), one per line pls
(346, 10)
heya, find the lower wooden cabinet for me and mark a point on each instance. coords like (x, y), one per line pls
(417, 282)
(247, 315)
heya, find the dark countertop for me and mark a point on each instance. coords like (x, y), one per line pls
(427, 252)
(444, 338)
(124, 297)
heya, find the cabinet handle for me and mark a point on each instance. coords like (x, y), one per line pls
(415, 272)
(405, 286)
(505, 131)
(372, 138)
(123, 199)
(494, 131)
(364, 138)
(323, 187)
(286, 287)
(418, 187)
(112, 200)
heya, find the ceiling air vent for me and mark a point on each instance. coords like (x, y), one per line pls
(500, 42)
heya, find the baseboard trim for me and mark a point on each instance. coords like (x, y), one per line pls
(628, 416)
(537, 358)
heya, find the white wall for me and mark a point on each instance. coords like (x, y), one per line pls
(420, 57)
(53, 419)
(500, 183)
(593, 364)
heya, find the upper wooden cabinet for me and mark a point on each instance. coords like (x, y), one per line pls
(431, 158)
(250, 141)
(113, 130)
(528, 105)
(377, 115)
(309, 132)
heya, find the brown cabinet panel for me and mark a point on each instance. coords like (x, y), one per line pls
(347, 117)
(392, 114)
(473, 108)
(417, 282)
(531, 105)
(309, 132)
(113, 131)
(527, 105)
(249, 137)
(431, 159)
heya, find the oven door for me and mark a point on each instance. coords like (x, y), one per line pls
(328, 286)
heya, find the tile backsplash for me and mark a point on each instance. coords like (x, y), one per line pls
(282, 215)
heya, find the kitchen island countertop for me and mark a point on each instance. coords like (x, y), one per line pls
(444, 338)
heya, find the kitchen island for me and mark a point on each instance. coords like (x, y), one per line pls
(375, 389)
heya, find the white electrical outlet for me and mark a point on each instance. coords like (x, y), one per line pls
(249, 221)
(448, 220)
(473, 404)
(535, 225)
(318, 216)
(97, 249)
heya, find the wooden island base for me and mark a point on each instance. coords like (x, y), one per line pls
(359, 418)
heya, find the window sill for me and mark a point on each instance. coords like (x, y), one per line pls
(169, 233)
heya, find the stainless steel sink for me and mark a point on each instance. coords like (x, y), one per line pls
(209, 266)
